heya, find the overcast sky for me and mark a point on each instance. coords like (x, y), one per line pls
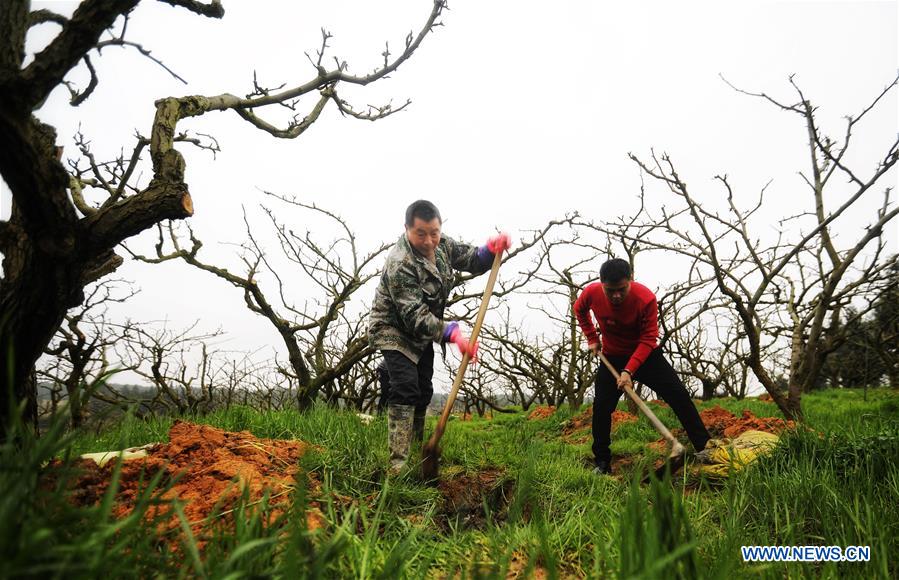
(522, 111)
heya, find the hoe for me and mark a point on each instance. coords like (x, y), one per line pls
(676, 458)
(430, 464)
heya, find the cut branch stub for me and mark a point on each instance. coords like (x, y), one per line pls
(161, 201)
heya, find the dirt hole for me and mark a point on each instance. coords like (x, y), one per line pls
(470, 500)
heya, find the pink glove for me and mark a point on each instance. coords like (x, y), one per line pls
(499, 243)
(454, 335)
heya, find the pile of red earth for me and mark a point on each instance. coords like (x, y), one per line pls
(541, 413)
(722, 423)
(575, 429)
(619, 417)
(210, 467)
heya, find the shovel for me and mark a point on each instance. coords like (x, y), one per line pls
(676, 458)
(430, 453)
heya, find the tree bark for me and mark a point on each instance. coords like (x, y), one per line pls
(50, 254)
(708, 389)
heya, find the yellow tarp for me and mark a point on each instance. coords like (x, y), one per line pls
(722, 455)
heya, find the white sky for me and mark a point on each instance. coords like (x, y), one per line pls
(522, 111)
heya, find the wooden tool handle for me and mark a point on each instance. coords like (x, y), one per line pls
(482, 312)
(660, 427)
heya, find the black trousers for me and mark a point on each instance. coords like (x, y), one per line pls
(384, 386)
(410, 383)
(657, 374)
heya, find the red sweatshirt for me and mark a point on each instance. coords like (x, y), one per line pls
(631, 328)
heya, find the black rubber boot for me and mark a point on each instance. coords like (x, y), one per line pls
(602, 468)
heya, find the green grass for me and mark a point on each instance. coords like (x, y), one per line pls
(833, 484)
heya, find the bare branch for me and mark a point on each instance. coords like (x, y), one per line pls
(296, 127)
(79, 97)
(212, 10)
(44, 15)
(794, 108)
(78, 36)
(119, 41)
(374, 113)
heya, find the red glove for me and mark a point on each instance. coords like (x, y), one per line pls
(499, 243)
(454, 335)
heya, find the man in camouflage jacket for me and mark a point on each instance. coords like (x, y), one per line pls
(407, 317)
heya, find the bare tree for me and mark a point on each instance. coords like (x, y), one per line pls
(359, 387)
(77, 356)
(165, 359)
(321, 341)
(519, 381)
(56, 243)
(706, 348)
(483, 388)
(794, 287)
(467, 303)
(266, 388)
(570, 366)
(537, 368)
(232, 378)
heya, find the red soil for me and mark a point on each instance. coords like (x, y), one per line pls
(721, 422)
(619, 417)
(541, 413)
(658, 446)
(574, 428)
(210, 466)
(578, 423)
(716, 419)
(749, 422)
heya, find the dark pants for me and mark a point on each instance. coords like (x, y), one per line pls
(384, 385)
(656, 374)
(410, 384)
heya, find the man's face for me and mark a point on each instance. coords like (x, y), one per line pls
(616, 292)
(424, 236)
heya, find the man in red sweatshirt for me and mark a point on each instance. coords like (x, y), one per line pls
(628, 318)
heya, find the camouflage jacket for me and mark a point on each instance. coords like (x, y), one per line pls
(407, 312)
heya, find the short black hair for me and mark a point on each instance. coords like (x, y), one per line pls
(614, 270)
(422, 209)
